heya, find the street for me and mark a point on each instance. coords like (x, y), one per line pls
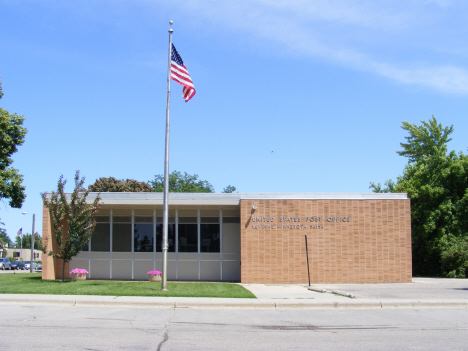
(40, 327)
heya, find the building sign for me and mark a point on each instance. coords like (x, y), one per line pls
(312, 222)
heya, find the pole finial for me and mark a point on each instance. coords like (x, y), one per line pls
(170, 23)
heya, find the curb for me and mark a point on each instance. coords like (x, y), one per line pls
(425, 304)
(184, 302)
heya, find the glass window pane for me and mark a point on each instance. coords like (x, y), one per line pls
(209, 219)
(145, 219)
(143, 237)
(101, 218)
(100, 240)
(171, 220)
(122, 237)
(188, 238)
(188, 220)
(209, 238)
(170, 236)
(85, 246)
(122, 219)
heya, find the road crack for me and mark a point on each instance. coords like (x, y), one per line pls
(166, 333)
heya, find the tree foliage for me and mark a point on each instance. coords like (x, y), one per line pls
(12, 135)
(229, 189)
(182, 183)
(72, 219)
(437, 184)
(25, 239)
(389, 187)
(178, 183)
(115, 185)
(428, 139)
(455, 258)
(4, 238)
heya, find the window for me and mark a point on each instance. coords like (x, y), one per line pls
(100, 240)
(170, 234)
(209, 234)
(143, 234)
(122, 234)
(188, 237)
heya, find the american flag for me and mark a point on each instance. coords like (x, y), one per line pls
(180, 74)
(20, 232)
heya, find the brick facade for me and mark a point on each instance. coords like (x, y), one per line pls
(51, 267)
(352, 238)
(350, 241)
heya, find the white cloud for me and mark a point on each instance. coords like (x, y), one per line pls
(448, 79)
(360, 13)
(411, 42)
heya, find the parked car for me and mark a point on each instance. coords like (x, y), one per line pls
(17, 265)
(28, 263)
(5, 263)
(39, 266)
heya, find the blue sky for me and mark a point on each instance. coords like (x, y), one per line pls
(292, 96)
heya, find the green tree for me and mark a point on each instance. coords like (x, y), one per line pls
(4, 238)
(389, 187)
(438, 188)
(115, 185)
(229, 189)
(428, 139)
(72, 219)
(182, 183)
(437, 184)
(26, 239)
(12, 135)
(455, 258)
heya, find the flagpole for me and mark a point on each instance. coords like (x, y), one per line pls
(165, 245)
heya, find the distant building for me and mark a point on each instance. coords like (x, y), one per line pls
(23, 255)
(252, 238)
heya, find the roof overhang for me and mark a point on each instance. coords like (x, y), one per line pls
(233, 199)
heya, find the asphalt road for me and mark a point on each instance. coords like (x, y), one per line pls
(58, 327)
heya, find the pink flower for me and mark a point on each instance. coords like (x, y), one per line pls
(155, 272)
(79, 271)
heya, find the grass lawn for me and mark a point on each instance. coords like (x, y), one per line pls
(33, 284)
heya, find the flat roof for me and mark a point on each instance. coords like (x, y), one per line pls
(220, 199)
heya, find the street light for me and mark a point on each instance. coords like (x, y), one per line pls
(32, 243)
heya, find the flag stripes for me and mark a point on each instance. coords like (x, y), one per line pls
(180, 74)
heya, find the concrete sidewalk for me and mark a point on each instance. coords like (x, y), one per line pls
(422, 293)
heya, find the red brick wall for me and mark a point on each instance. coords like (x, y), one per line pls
(373, 247)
